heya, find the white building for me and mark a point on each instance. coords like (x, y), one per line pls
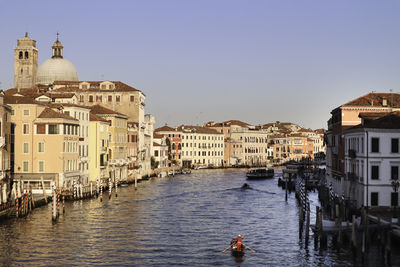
(147, 150)
(160, 150)
(201, 146)
(372, 162)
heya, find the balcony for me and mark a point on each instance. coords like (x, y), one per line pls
(351, 176)
(352, 153)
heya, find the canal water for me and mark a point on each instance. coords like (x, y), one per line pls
(185, 220)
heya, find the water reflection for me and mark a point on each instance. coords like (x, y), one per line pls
(182, 220)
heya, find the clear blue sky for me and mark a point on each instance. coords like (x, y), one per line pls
(196, 61)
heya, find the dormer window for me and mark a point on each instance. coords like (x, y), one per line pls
(103, 87)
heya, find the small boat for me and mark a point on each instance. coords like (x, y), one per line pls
(260, 173)
(237, 253)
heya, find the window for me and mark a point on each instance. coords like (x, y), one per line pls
(394, 199)
(26, 112)
(12, 112)
(110, 98)
(26, 148)
(374, 172)
(41, 147)
(132, 98)
(375, 144)
(103, 87)
(81, 98)
(395, 172)
(374, 199)
(395, 145)
(41, 128)
(117, 98)
(41, 166)
(90, 98)
(25, 166)
(25, 129)
(21, 55)
(99, 98)
(26, 55)
(53, 129)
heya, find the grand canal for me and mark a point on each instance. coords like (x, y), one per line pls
(176, 221)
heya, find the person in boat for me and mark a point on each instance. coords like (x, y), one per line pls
(246, 186)
(238, 242)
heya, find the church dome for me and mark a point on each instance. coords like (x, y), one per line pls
(56, 68)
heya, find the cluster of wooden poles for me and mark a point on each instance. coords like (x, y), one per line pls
(304, 210)
(24, 203)
(347, 232)
(79, 192)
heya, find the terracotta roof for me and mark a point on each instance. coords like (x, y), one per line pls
(165, 128)
(156, 144)
(25, 91)
(155, 135)
(60, 95)
(197, 129)
(100, 110)
(390, 121)
(302, 130)
(375, 100)
(69, 105)
(236, 122)
(226, 123)
(20, 100)
(372, 115)
(94, 117)
(48, 113)
(94, 86)
(320, 131)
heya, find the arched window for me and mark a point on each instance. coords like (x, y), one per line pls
(20, 55)
(26, 55)
(173, 146)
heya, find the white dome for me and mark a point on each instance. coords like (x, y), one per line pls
(56, 69)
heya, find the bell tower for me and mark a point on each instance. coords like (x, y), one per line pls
(25, 62)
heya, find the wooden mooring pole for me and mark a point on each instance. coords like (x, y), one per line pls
(54, 213)
(308, 224)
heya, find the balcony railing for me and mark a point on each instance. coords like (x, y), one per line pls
(352, 153)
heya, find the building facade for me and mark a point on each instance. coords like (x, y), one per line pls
(201, 146)
(372, 162)
(98, 149)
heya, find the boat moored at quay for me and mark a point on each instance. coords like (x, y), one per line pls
(260, 173)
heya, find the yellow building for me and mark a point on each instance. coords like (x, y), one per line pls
(45, 144)
(118, 143)
(98, 148)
